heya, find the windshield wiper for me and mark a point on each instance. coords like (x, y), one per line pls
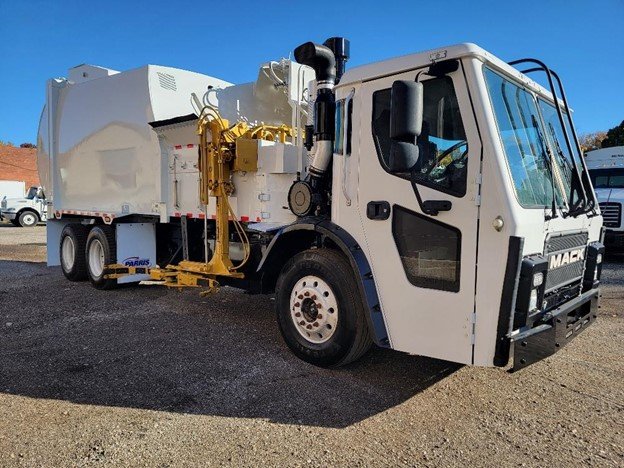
(546, 149)
(575, 182)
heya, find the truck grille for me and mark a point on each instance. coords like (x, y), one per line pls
(611, 214)
(566, 259)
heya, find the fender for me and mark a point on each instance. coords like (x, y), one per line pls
(354, 253)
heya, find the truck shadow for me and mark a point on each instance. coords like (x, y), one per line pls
(148, 348)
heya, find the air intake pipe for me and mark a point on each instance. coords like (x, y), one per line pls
(306, 196)
(322, 60)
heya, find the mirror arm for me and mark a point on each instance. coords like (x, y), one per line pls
(430, 207)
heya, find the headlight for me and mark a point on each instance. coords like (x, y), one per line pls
(533, 300)
(593, 265)
(538, 279)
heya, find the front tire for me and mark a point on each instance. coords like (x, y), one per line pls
(101, 250)
(28, 219)
(319, 309)
(72, 251)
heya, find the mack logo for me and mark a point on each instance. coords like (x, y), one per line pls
(566, 258)
(136, 262)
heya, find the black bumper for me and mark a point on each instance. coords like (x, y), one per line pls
(555, 330)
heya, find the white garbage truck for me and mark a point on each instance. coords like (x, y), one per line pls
(436, 203)
(606, 169)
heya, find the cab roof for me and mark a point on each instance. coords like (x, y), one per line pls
(409, 62)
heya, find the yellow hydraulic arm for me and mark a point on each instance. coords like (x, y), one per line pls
(219, 147)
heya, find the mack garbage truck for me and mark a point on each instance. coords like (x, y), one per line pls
(435, 203)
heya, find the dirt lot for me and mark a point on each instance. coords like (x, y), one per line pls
(146, 377)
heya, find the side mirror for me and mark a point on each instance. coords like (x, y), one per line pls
(406, 116)
(406, 110)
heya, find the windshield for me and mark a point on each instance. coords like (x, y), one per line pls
(32, 193)
(522, 136)
(607, 178)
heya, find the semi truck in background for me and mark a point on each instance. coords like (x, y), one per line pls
(24, 209)
(606, 168)
(436, 203)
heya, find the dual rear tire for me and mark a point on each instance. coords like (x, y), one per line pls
(84, 252)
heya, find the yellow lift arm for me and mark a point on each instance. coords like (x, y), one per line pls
(222, 149)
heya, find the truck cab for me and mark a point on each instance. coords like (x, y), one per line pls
(25, 211)
(489, 228)
(606, 168)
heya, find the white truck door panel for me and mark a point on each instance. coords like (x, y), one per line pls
(424, 266)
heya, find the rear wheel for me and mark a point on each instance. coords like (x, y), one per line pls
(101, 250)
(319, 309)
(72, 251)
(28, 219)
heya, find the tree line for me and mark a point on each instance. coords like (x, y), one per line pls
(608, 139)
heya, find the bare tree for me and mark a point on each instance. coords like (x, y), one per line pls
(591, 141)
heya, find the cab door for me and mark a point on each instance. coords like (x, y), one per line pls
(424, 266)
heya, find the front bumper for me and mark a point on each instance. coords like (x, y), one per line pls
(555, 330)
(8, 216)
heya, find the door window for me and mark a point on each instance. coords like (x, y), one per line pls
(442, 145)
(429, 250)
(339, 144)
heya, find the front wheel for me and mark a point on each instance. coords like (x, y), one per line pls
(28, 219)
(319, 309)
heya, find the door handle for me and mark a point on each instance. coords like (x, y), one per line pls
(378, 210)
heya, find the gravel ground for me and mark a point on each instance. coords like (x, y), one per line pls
(146, 377)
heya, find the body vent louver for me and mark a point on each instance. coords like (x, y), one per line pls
(167, 81)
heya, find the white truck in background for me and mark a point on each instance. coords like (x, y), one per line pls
(436, 203)
(606, 168)
(25, 210)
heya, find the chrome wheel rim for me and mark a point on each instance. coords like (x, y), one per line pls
(314, 309)
(68, 253)
(29, 219)
(96, 258)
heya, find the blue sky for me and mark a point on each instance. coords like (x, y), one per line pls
(582, 40)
